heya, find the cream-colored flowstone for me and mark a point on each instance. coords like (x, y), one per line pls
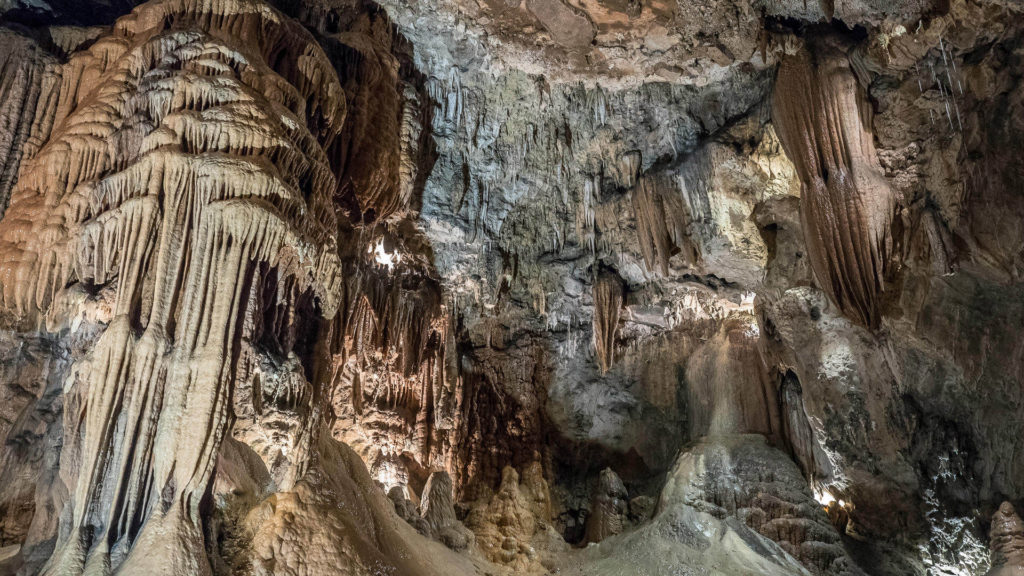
(187, 164)
(1006, 540)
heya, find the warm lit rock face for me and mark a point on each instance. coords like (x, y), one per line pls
(175, 205)
(724, 287)
(181, 184)
(847, 207)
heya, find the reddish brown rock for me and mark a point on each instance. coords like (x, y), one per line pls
(848, 209)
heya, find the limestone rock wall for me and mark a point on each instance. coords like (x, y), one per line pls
(184, 171)
(726, 287)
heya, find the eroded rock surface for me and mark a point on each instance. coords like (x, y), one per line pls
(447, 287)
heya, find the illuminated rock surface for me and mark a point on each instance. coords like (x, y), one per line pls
(310, 287)
(1006, 542)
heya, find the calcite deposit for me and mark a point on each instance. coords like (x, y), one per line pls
(847, 207)
(595, 287)
(1007, 542)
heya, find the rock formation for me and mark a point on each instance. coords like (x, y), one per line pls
(607, 305)
(597, 287)
(848, 209)
(608, 509)
(438, 511)
(741, 477)
(512, 524)
(1006, 540)
(183, 170)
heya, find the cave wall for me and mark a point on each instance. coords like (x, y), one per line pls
(275, 278)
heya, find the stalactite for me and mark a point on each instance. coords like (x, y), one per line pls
(626, 168)
(391, 358)
(27, 81)
(663, 221)
(586, 214)
(607, 306)
(485, 427)
(391, 317)
(410, 142)
(847, 206)
(372, 150)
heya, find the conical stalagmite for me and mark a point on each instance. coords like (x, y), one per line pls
(608, 507)
(1006, 542)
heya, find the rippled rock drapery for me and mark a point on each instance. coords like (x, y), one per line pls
(28, 74)
(607, 305)
(848, 209)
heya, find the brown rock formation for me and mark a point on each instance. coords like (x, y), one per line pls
(191, 173)
(505, 525)
(663, 223)
(607, 306)
(369, 151)
(511, 525)
(437, 506)
(324, 286)
(847, 207)
(1006, 542)
(391, 370)
(30, 77)
(438, 511)
(566, 24)
(608, 509)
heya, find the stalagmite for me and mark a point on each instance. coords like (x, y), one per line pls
(1006, 542)
(438, 512)
(608, 507)
(508, 522)
(847, 207)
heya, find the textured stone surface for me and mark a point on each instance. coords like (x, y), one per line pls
(449, 287)
(1006, 539)
(741, 477)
